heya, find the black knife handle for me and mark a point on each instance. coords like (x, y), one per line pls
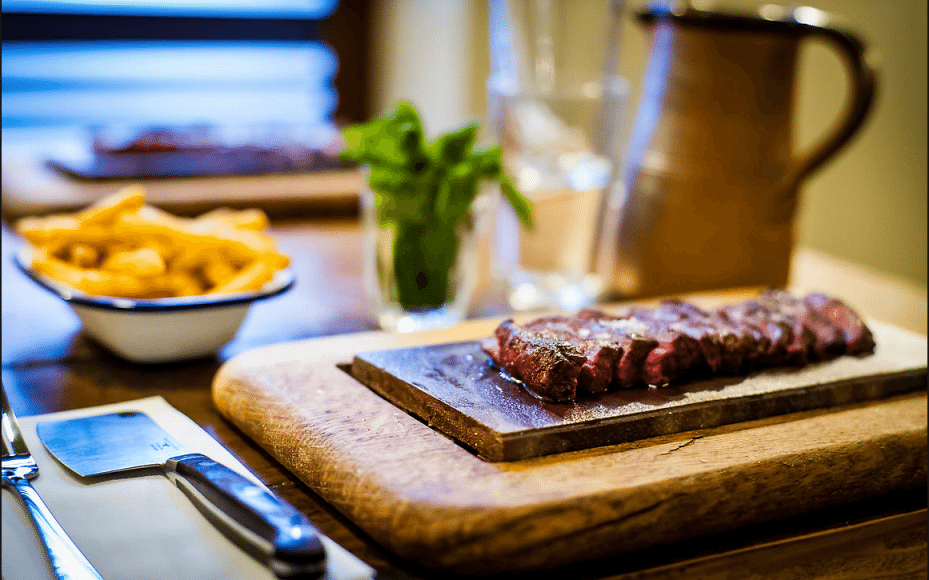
(249, 514)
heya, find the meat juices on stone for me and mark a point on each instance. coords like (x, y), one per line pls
(558, 357)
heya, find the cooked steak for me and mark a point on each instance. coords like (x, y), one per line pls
(602, 356)
(590, 352)
(725, 346)
(547, 366)
(630, 347)
(777, 333)
(662, 348)
(857, 337)
(828, 342)
(636, 347)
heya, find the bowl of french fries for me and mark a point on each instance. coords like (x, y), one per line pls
(151, 286)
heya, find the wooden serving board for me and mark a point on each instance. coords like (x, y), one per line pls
(429, 499)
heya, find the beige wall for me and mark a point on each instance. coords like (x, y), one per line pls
(867, 205)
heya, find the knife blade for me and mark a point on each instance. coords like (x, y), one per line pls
(131, 443)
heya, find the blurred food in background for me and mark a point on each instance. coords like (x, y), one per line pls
(203, 149)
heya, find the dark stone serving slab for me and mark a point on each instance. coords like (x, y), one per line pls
(456, 389)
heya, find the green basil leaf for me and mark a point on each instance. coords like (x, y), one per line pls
(442, 197)
(488, 162)
(463, 182)
(409, 132)
(521, 206)
(453, 147)
(401, 210)
(386, 179)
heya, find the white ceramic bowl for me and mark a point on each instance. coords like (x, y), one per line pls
(163, 329)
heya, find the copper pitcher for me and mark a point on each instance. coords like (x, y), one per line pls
(711, 180)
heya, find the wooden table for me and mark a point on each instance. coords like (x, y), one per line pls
(48, 365)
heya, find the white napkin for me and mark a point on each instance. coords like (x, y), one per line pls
(137, 528)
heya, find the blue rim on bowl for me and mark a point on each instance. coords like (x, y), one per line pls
(283, 280)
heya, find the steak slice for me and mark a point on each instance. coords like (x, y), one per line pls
(597, 371)
(777, 334)
(828, 340)
(630, 334)
(857, 336)
(548, 367)
(677, 352)
(726, 347)
(801, 340)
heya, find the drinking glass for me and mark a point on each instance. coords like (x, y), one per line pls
(406, 289)
(556, 106)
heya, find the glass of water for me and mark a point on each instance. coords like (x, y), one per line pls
(556, 107)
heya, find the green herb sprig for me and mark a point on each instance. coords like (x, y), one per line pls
(425, 189)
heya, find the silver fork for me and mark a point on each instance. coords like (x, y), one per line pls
(18, 468)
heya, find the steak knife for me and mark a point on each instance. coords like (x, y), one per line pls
(132, 443)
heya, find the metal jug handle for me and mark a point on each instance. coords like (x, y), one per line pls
(863, 74)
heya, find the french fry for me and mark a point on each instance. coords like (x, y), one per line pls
(217, 272)
(90, 281)
(250, 219)
(157, 214)
(44, 263)
(140, 262)
(83, 255)
(251, 277)
(60, 231)
(176, 284)
(40, 231)
(107, 209)
(194, 239)
(240, 243)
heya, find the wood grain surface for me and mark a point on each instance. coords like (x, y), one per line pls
(50, 365)
(429, 500)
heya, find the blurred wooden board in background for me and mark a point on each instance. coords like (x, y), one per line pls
(29, 187)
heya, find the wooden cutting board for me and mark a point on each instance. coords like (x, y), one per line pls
(429, 499)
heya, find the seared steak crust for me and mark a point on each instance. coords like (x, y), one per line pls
(549, 367)
(857, 337)
(590, 352)
(828, 341)
(596, 372)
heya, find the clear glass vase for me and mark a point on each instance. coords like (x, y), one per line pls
(421, 277)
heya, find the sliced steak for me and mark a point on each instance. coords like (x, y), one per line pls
(677, 352)
(777, 334)
(629, 334)
(558, 357)
(828, 340)
(549, 368)
(726, 348)
(857, 336)
(596, 373)
(676, 355)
